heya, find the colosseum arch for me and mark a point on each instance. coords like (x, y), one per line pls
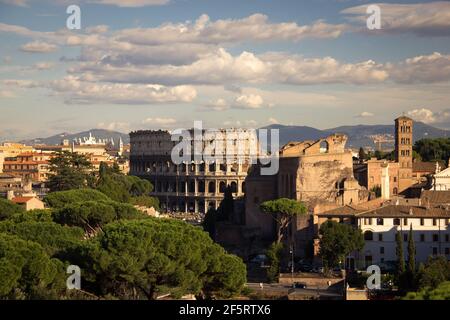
(212, 187)
(222, 186)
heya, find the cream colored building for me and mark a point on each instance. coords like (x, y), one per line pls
(29, 203)
(441, 180)
(12, 149)
(430, 227)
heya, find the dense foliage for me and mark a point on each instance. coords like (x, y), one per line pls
(61, 198)
(145, 258)
(69, 170)
(337, 241)
(126, 255)
(8, 208)
(274, 255)
(441, 292)
(433, 149)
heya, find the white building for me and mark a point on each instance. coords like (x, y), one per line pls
(441, 180)
(430, 228)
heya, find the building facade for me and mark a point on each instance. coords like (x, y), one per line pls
(194, 185)
(430, 229)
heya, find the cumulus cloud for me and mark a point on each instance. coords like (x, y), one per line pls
(21, 83)
(132, 3)
(118, 3)
(423, 115)
(426, 115)
(39, 47)
(97, 29)
(252, 28)
(422, 19)
(365, 114)
(251, 101)
(76, 91)
(115, 126)
(43, 65)
(422, 69)
(220, 67)
(219, 104)
(161, 122)
(272, 121)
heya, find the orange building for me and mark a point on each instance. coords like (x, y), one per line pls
(30, 165)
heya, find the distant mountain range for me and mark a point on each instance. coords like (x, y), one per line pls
(359, 135)
(97, 133)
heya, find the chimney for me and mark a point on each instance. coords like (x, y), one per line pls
(385, 181)
(10, 195)
(411, 211)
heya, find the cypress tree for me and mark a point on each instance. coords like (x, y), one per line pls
(399, 252)
(411, 252)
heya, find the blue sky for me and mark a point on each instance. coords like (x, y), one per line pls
(141, 64)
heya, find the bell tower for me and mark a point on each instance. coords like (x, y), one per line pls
(403, 151)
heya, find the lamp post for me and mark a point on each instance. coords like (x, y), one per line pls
(291, 251)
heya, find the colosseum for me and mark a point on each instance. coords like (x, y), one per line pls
(194, 185)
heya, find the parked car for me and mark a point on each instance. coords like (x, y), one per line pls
(317, 270)
(299, 285)
(305, 267)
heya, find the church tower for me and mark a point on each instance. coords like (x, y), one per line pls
(403, 151)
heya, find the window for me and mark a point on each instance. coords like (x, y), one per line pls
(368, 221)
(435, 251)
(368, 235)
(380, 221)
(396, 222)
(447, 238)
(422, 237)
(422, 221)
(381, 250)
(435, 237)
(380, 237)
(405, 237)
(434, 221)
(447, 250)
(405, 221)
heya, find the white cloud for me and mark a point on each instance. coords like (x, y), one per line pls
(252, 28)
(424, 115)
(19, 83)
(251, 101)
(273, 121)
(423, 19)
(115, 126)
(97, 29)
(365, 114)
(118, 3)
(219, 104)
(39, 47)
(422, 69)
(162, 122)
(76, 91)
(43, 65)
(132, 3)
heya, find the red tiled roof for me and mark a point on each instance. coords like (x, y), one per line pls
(21, 199)
(421, 166)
